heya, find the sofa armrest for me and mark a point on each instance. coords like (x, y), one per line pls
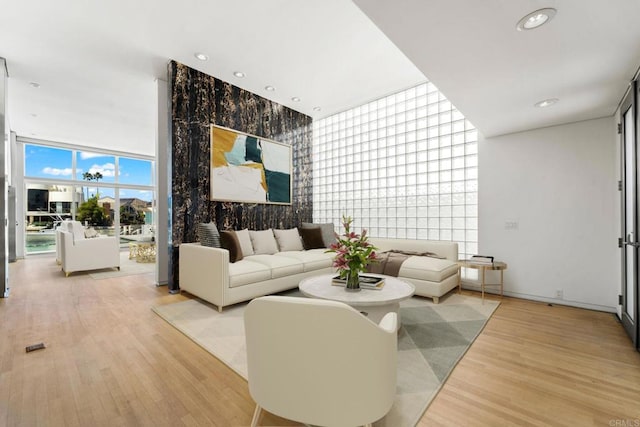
(389, 323)
(204, 272)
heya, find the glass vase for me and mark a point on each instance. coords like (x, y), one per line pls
(353, 281)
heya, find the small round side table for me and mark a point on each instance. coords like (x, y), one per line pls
(496, 266)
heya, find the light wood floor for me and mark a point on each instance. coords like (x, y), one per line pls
(110, 361)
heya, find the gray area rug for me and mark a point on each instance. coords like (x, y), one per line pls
(431, 341)
(128, 267)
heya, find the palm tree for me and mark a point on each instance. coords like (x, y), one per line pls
(88, 176)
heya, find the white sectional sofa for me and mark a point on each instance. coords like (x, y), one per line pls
(207, 273)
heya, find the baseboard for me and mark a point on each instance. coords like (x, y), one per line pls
(556, 301)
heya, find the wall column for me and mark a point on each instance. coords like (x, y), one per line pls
(5, 135)
(162, 174)
(17, 171)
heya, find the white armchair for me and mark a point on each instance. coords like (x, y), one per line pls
(58, 232)
(78, 253)
(319, 362)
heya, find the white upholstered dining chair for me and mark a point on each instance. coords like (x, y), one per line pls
(319, 362)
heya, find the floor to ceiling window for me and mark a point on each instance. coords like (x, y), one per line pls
(110, 192)
(403, 166)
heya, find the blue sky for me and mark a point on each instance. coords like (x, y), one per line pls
(49, 162)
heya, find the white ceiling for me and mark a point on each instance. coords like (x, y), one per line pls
(585, 56)
(96, 61)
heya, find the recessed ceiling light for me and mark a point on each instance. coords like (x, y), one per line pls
(317, 108)
(536, 19)
(34, 84)
(546, 103)
(269, 88)
(239, 74)
(201, 56)
(295, 99)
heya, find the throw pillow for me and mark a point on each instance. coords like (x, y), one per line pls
(328, 232)
(245, 242)
(288, 240)
(312, 238)
(229, 241)
(90, 233)
(263, 242)
(209, 235)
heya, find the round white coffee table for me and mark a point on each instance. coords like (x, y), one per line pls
(372, 303)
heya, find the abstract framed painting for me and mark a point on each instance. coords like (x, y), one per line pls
(249, 169)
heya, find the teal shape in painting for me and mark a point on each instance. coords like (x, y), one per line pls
(254, 151)
(279, 185)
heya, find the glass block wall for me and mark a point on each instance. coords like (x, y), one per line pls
(403, 166)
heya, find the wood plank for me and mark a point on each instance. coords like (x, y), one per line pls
(111, 361)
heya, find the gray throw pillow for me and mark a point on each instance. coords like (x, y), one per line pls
(328, 232)
(209, 235)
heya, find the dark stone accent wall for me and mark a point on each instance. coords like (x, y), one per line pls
(199, 100)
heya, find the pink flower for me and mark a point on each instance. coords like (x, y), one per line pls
(353, 251)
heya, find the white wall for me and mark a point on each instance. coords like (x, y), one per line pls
(559, 184)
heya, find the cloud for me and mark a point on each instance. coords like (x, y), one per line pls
(107, 170)
(84, 155)
(57, 172)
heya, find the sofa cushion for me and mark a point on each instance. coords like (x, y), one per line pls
(90, 233)
(312, 238)
(328, 232)
(314, 259)
(280, 266)
(263, 242)
(288, 240)
(209, 235)
(427, 268)
(246, 272)
(245, 242)
(229, 241)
